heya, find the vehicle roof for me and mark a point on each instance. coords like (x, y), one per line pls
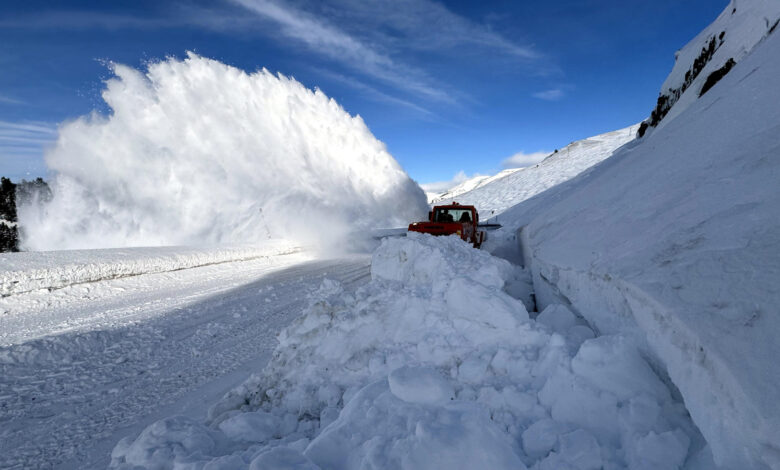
(453, 206)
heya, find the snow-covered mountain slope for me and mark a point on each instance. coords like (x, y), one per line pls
(511, 187)
(433, 364)
(470, 185)
(712, 53)
(675, 240)
(198, 152)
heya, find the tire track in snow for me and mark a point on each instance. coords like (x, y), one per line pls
(90, 385)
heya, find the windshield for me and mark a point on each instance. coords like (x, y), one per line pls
(452, 215)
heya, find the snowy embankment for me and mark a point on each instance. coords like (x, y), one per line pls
(510, 187)
(435, 364)
(25, 272)
(674, 241)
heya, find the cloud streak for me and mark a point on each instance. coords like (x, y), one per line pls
(555, 94)
(334, 43)
(22, 145)
(372, 93)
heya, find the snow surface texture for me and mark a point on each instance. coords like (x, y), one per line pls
(100, 360)
(744, 23)
(196, 151)
(29, 271)
(433, 365)
(510, 187)
(674, 242)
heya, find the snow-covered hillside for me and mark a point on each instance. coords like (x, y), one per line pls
(496, 194)
(196, 151)
(675, 240)
(470, 185)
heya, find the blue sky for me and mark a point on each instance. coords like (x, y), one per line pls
(448, 86)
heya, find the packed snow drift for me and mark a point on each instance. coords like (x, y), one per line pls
(195, 151)
(433, 364)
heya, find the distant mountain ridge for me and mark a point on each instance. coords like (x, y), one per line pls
(497, 193)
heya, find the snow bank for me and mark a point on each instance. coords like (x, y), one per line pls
(434, 365)
(673, 242)
(510, 187)
(195, 151)
(29, 271)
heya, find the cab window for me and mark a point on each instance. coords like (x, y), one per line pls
(452, 215)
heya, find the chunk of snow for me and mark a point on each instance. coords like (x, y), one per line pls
(420, 385)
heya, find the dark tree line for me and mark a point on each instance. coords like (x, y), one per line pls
(11, 196)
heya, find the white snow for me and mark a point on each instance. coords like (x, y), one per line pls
(494, 195)
(198, 152)
(432, 365)
(744, 24)
(29, 271)
(673, 242)
(98, 360)
(469, 184)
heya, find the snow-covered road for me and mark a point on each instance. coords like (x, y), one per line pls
(82, 366)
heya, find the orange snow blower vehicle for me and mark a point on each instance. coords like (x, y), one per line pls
(453, 219)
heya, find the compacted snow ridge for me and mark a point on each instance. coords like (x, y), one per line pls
(28, 271)
(673, 242)
(435, 363)
(85, 365)
(511, 187)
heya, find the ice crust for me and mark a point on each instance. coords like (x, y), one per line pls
(408, 372)
(198, 152)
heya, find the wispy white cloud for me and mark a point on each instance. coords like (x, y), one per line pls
(25, 138)
(336, 44)
(418, 24)
(8, 100)
(21, 148)
(554, 94)
(522, 159)
(372, 93)
(439, 187)
(378, 39)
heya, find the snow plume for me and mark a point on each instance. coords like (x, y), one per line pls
(196, 151)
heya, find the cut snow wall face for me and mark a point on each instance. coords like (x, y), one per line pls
(675, 241)
(196, 151)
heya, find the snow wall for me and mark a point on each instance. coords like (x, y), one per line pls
(198, 152)
(674, 240)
